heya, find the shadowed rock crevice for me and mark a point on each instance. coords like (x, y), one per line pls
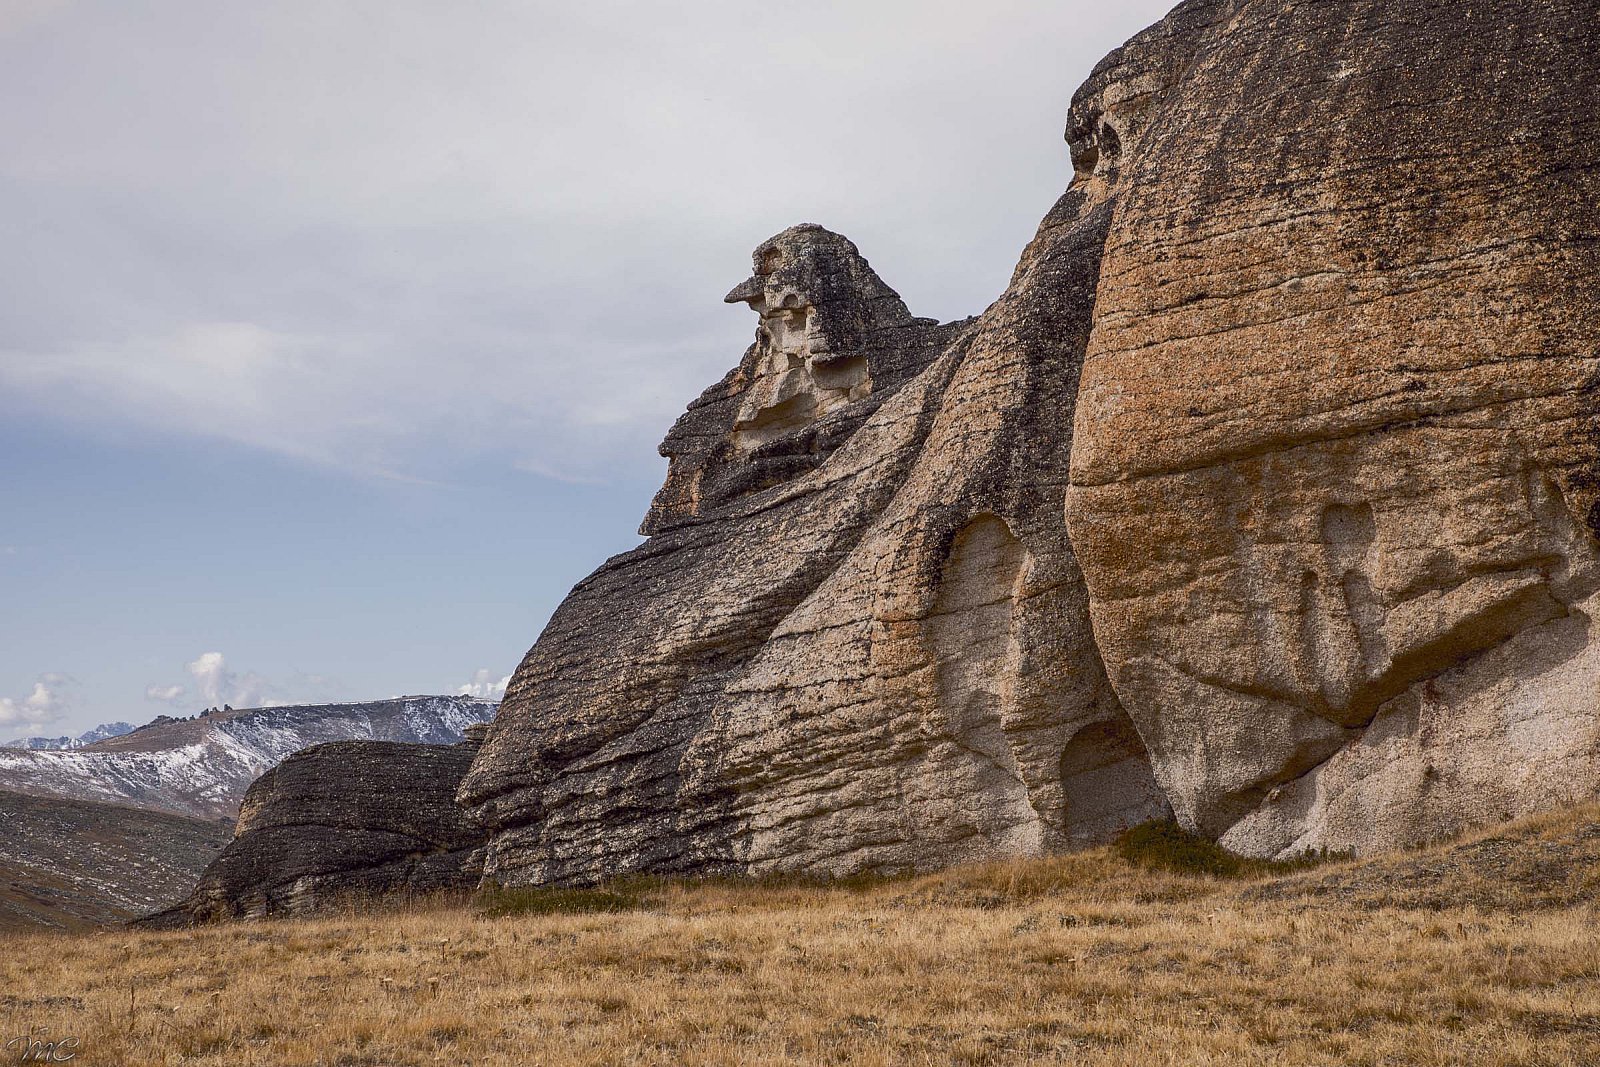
(972, 638)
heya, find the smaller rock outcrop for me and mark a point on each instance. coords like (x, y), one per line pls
(346, 819)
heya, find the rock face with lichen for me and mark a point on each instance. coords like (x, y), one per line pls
(1266, 493)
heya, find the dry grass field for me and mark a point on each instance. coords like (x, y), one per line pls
(1483, 952)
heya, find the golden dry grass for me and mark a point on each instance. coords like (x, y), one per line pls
(1083, 960)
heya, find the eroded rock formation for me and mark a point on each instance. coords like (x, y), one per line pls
(343, 820)
(1335, 461)
(1265, 495)
(1305, 357)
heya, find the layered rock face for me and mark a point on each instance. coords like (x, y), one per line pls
(367, 819)
(1334, 473)
(1305, 361)
(858, 638)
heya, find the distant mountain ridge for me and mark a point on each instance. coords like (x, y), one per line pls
(202, 766)
(88, 737)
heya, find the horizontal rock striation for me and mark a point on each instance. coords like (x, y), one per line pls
(348, 819)
(882, 661)
(1334, 469)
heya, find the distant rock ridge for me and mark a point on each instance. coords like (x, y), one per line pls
(202, 766)
(88, 737)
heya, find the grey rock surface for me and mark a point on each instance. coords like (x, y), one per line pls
(340, 821)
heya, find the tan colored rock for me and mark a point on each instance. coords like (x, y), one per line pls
(884, 662)
(1327, 274)
(1335, 463)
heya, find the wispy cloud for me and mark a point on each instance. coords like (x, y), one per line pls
(213, 683)
(50, 701)
(485, 686)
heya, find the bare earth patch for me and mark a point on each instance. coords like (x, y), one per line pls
(1084, 959)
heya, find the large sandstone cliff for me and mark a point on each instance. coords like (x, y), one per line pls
(1266, 493)
(1334, 473)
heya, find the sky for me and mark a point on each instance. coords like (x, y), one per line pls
(337, 339)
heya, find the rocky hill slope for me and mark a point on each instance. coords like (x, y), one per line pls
(74, 864)
(202, 766)
(1268, 493)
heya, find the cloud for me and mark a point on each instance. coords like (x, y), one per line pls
(213, 684)
(19, 15)
(414, 245)
(485, 686)
(50, 701)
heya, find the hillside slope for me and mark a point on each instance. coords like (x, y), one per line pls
(72, 864)
(202, 766)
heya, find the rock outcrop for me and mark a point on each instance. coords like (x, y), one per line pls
(1305, 359)
(1267, 496)
(871, 653)
(1338, 437)
(347, 819)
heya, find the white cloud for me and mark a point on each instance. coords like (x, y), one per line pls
(217, 685)
(50, 701)
(214, 684)
(485, 686)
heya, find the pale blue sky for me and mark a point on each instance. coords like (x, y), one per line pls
(338, 337)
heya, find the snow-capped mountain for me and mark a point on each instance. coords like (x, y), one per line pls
(203, 765)
(88, 737)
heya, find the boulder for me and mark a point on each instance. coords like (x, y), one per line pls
(341, 821)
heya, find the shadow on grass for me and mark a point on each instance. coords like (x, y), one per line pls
(1165, 845)
(648, 893)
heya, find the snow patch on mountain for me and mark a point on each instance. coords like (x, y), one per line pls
(202, 766)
